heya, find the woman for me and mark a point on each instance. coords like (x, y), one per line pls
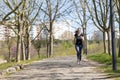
(78, 44)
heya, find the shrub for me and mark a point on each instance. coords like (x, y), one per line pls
(57, 41)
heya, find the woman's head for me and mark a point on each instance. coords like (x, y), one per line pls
(78, 31)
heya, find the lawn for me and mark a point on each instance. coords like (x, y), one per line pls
(106, 59)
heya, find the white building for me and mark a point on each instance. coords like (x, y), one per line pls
(62, 28)
(59, 29)
(5, 32)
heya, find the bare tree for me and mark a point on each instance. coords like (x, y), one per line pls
(117, 5)
(81, 15)
(29, 20)
(99, 13)
(53, 10)
(8, 41)
(12, 9)
(22, 14)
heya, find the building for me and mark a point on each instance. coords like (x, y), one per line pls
(5, 32)
(61, 30)
(67, 35)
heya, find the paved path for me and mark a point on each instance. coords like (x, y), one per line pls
(60, 68)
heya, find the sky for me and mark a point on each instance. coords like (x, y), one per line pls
(72, 16)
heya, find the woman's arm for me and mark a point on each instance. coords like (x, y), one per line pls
(75, 38)
(82, 38)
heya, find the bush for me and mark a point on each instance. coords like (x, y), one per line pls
(90, 41)
(98, 42)
(57, 41)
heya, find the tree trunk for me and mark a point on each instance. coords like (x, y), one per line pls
(9, 54)
(104, 42)
(119, 37)
(22, 49)
(27, 45)
(18, 49)
(109, 48)
(9, 47)
(51, 39)
(85, 42)
(18, 41)
(38, 53)
(22, 34)
(47, 48)
(119, 47)
(119, 32)
(84, 28)
(23, 30)
(27, 50)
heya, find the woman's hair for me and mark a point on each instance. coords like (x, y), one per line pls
(77, 31)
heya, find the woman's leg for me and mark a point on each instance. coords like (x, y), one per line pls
(80, 52)
(77, 50)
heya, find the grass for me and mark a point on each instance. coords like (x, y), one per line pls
(63, 51)
(101, 58)
(107, 60)
(1, 57)
(95, 47)
(6, 65)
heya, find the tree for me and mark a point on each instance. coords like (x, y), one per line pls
(81, 7)
(117, 5)
(53, 9)
(12, 9)
(37, 45)
(8, 41)
(21, 16)
(99, 13)
(32, 8)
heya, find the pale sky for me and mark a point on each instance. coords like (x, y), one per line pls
(90, 26)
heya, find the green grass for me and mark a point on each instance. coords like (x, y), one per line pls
(107, 60)
(101, 58)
